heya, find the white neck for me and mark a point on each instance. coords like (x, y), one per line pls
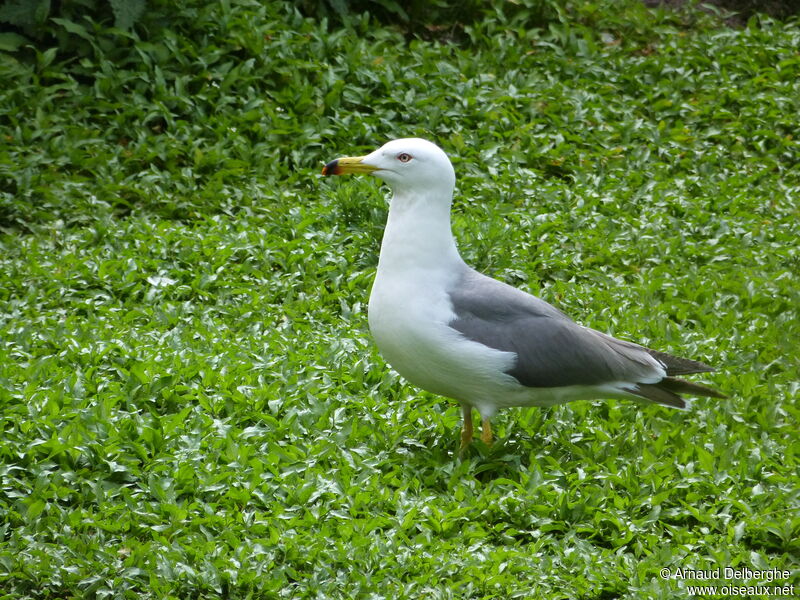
(418, 234)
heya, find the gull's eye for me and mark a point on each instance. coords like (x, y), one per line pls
(403, 157)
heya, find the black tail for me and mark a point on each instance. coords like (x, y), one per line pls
(676, 365)
(667, 390)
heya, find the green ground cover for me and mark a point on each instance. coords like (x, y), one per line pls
(191, 405)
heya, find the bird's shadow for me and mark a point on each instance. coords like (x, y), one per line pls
(439, 461)
(433, 451)
(506, 458)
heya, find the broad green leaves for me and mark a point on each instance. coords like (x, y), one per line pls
(190, 402)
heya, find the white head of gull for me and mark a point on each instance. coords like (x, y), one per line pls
(455, 332)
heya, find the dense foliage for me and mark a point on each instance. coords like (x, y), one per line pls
(191, 405)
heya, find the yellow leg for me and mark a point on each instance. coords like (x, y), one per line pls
(466, 430)
(486, 432)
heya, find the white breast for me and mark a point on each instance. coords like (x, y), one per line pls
(409, 321)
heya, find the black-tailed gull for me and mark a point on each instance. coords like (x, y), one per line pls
(455, 332)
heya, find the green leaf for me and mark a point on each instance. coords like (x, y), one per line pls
(23, 12)
(75, 28)
(11, 42)
(127, 12)
(35, 509)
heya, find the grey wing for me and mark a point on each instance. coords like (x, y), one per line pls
(552, 350)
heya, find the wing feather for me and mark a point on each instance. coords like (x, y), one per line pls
(554, 351)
